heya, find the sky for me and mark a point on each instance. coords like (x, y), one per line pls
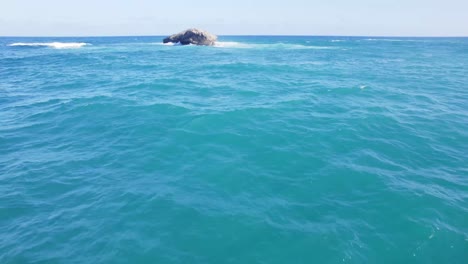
(234, 17)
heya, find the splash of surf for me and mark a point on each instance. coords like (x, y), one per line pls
(239, 45)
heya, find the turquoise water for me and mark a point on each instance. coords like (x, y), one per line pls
(258, 150)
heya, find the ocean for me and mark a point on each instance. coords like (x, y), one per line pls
(261, 149)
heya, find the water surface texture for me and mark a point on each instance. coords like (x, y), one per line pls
(257, 150)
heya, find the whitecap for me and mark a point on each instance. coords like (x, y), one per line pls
(171, 44)
(243, 45)
(240, 45)
(392, 40)
(231, 44)
(55, 45)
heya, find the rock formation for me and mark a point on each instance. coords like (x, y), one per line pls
(192, 36)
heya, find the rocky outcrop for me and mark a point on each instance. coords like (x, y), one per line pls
(192, 36)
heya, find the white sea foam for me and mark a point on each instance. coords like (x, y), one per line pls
(231, 44)
(239, 45)
(243, 45)
(170, 44)
(392, 40)
(55, 45)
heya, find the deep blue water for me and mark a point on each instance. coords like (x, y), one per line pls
(259, 150)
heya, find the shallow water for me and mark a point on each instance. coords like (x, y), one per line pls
(257, 150)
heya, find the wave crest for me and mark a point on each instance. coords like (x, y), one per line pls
(239, 45)
(55, 45)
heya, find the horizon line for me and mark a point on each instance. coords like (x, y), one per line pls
(235, 35)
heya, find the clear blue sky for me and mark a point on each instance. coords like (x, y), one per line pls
(282, 17)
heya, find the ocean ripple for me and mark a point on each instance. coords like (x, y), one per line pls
(331, 149)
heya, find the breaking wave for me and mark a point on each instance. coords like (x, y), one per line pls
(394, 40)
(239, 45)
